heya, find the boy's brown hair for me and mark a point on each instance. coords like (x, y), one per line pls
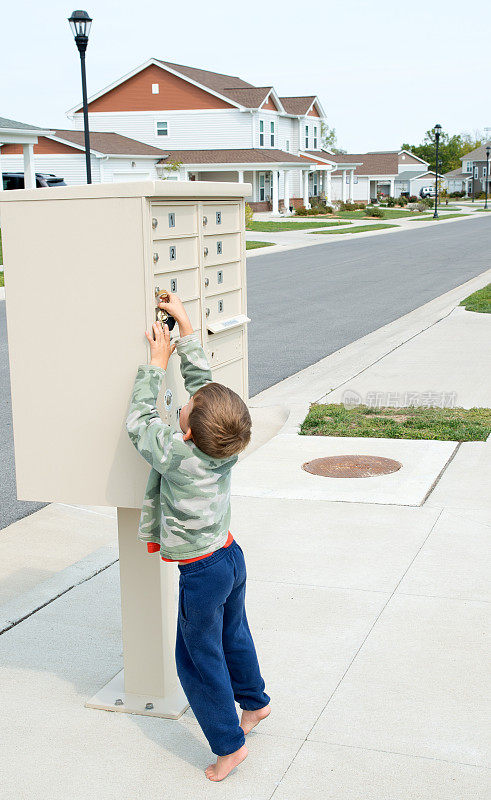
(220, 421)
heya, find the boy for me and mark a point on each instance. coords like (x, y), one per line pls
(186, 515)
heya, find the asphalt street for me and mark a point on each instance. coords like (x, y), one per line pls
(307, 303)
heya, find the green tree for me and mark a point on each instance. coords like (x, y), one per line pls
(329, 139)
(450, 150)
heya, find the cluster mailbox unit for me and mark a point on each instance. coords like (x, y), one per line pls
(83, 269)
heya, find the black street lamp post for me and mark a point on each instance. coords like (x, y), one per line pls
(438, 130)
(488, 151)
(80, 23)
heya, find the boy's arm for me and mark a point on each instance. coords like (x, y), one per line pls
(194, 365)
(151, 437)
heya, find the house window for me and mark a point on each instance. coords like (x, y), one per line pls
(155, 88)
(306, 137)
(261, 133)
(355, 179)
(287, 145)
(476, 172)
(315, 138)
(315, 187)
(162, 129)
(272, 134)
(484, 172)
(468, 166)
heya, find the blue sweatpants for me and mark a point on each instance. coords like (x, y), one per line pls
(215, 656)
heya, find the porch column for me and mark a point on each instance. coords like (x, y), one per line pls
(240, 174)
(185, 174)
(351, 184)
(306, 189)
(254, 186)
(287, 191)
(275, 186)
(392, 187)
(327, 178)
(343, 192)
(29, 172)
(1, 181)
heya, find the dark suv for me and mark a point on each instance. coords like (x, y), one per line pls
(15, 180)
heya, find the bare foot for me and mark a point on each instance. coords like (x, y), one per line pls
(249, 719)
(224, 765)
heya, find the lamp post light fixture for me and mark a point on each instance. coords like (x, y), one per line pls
(437, 130)
(488, 151)
(80, 23)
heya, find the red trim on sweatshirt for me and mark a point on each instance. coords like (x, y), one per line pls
(152, 547)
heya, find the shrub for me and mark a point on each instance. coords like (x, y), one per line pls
(375, 212)
(391, 201)
(457, 194)
(301, 211)
(248, 214)
(412, 198)
(422, 206)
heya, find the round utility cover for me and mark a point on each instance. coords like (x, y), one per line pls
(352, 466)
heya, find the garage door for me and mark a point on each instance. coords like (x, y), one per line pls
(133, 175)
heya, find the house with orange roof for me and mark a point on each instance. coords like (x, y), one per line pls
(197, 125)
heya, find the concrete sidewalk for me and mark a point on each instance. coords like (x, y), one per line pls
(369, 618)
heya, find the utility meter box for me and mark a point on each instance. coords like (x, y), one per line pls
(82, 268)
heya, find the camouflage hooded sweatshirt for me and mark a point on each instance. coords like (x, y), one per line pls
(186, 508)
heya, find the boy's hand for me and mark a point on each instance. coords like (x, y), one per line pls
(160, 347)
(176, 309)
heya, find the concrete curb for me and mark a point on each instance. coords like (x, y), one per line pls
(19, 608)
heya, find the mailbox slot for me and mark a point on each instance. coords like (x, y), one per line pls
(222, 218)
(173, 220)
(222, 278)
(222, 249)
(175, 254)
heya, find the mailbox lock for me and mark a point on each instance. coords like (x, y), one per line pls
(205, 220)
(207, 312)
(155, 258)
(205, 251)
(155, 222)
(161, 315)
(207, 281)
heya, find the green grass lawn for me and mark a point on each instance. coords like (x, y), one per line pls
(360, 229)
(389, 213)
(410, 422)
(479, 301)
(429, 216)
(254, 245)
(272, 227)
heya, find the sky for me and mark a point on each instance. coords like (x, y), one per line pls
(384, 71)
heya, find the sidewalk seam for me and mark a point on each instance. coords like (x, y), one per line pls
(13, 623)
(391, 595)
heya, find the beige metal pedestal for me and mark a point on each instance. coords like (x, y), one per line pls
(149, 683)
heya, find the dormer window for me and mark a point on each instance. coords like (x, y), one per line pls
(272, 133)
(162, 129)
(468, 166)
(315, 137)
(261, 133)
(306, 137)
